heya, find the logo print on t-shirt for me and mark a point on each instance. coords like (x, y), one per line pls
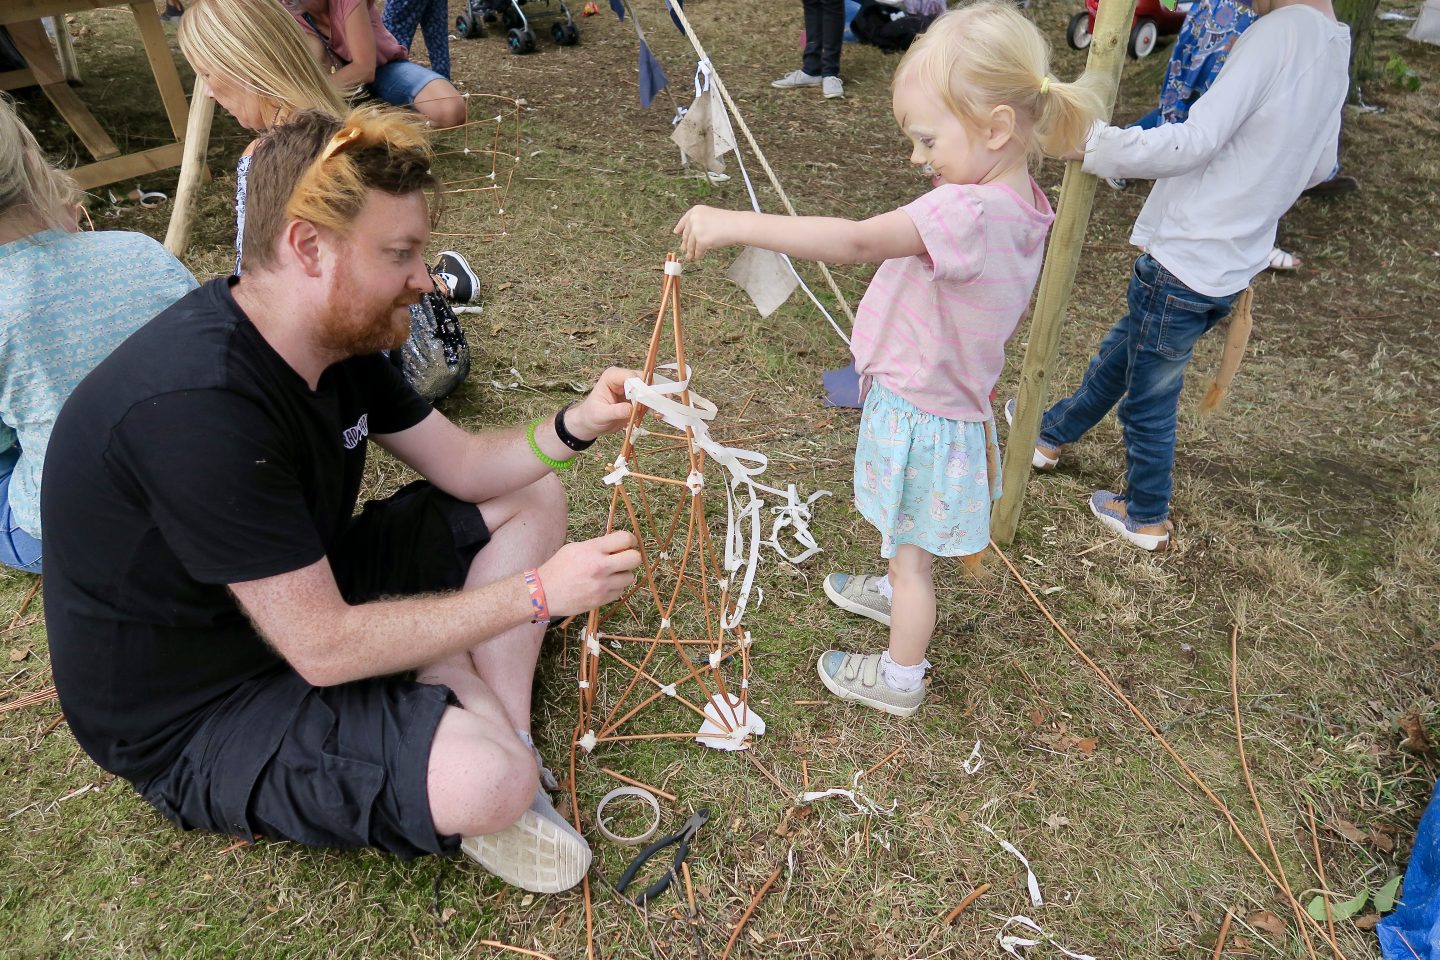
(355, 434)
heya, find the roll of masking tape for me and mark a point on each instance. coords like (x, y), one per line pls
(618, 792)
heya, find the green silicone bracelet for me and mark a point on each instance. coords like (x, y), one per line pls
(540, 455)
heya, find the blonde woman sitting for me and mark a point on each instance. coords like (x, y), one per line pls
(255, 62)
(52, 334)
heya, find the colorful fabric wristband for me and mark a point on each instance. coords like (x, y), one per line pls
(566, 437)
(540, 455)
(540, 609)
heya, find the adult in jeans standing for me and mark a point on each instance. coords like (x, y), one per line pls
(824, 33)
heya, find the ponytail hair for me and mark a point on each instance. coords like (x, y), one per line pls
(318, 168)
(32, 190)
(987, 54)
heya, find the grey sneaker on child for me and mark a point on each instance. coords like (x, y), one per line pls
(541, 852)
(796, 78)
(858, 594)
(856, 676)
(832, 87)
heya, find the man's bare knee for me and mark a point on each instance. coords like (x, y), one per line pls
(539, 508)
(478, 783)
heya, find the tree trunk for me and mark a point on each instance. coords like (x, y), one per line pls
(1360, 15)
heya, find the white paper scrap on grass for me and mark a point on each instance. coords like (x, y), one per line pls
(1030, 881)
(729, 727)
(1013, 943)
(765, 276)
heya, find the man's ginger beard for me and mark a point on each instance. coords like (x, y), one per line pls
(351, 326)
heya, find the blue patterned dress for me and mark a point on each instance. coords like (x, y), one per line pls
(1210, 30)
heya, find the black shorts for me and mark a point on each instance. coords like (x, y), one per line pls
(351, 769)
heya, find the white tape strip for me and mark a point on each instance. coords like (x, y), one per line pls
(976, 761)
(1030, 881)
(1013, 943)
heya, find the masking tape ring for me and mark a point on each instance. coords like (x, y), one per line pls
(618, 792)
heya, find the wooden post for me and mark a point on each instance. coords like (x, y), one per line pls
(65, 49)
(192, 168)
(1077, 193)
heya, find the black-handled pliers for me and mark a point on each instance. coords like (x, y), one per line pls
(681, 838)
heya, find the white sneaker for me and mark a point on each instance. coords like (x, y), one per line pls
(832, 87)
(797, 78)
(541, 852)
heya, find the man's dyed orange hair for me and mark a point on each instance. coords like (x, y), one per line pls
(320, 169)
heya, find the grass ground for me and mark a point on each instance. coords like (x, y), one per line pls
(1308, 511)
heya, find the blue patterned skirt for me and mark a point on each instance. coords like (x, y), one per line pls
(923, 479)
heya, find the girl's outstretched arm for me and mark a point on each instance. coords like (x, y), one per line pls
(829, 239)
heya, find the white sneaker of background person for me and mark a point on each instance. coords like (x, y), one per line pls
(796, 78)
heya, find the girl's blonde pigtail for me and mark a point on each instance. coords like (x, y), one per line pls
(1064, 114)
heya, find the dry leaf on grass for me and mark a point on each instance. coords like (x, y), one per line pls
(446, 914)
(1417, 738)
(1349, 831)
(1368, 921)
(1267, 922)
(18, 654)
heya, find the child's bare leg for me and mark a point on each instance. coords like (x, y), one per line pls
(912, 607)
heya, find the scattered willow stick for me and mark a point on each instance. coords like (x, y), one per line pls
(888, 757)
(959, 908)
(513, 949)
(1119, 694)
(745, 917)
(1224, 935)
(29, 700)
(1320, 872)
(24, 604)
(1407, 945)
(49, 727)
(784, 790)
(1255, 797)
(637, 783)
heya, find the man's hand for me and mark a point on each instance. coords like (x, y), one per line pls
(702, 229)
(605, 409)
(583, 576)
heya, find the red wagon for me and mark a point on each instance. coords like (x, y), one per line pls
(1152, 21)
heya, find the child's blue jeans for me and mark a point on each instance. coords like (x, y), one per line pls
(1140, 365)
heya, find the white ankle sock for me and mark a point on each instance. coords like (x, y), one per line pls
(901, 678)
(883, 585)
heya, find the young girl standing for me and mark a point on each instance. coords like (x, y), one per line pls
(975, 98)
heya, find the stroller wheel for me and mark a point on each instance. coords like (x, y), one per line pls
(466, 27)
(565, 34)
(521, 41)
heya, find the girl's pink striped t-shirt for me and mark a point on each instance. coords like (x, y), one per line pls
(933, 328)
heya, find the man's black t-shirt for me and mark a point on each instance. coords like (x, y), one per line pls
(191, 458)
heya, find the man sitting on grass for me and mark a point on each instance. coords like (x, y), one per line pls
(225, 634)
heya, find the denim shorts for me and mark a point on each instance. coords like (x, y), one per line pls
(17, 548)
(400, 81)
